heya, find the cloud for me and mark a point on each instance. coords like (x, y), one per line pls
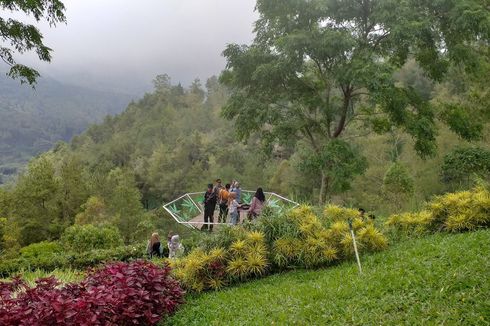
(123, 42)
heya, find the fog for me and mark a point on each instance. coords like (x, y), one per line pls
(122, 45)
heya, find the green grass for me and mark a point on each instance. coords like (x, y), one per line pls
(442, 279)
(63, 275)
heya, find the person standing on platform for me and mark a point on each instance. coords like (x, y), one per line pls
(236, 189)
(209, 202)
(256, 205)
(223, 203)
(233, 207)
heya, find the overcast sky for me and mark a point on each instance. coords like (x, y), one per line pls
(123, 44)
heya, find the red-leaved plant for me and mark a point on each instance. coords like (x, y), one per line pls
(136, 293)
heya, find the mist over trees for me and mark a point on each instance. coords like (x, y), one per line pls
(339, 101)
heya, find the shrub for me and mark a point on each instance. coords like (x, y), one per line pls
(118, 294)
(460, 164)
(411, 223)
(454, 212)
(301, 238)
(98, 256)
(75, 260)
(41, 249)
(336, 213)
(242, 255)
(274, 242)
(87, 237)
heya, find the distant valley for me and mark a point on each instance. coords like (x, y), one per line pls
(33, 120)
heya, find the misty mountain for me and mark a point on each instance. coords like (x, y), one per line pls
(33, 120)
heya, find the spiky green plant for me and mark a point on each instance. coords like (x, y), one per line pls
(256, 263)
(336, 213)
(371, 238)
(237, 267)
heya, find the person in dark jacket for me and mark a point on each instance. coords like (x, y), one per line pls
(210, 200)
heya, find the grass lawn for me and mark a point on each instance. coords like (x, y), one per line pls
(443, 279)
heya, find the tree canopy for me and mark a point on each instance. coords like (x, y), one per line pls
(22, 37)
(321, 70)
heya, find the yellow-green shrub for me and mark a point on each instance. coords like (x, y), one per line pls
(470, 214)
(454, 212)
(371, 238)
(319, 243)
(214, 268)
(411, 222)
(298, 238)
(336, 213)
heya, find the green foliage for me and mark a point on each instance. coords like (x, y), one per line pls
(63, 275)
(453, 212)
(411, 223)
(462, 163)
(3, 222)
(35, 203)
(80, 238)
(296, 85)
(241, 255)
(460, 121)
(26, 37)
(320, 241)
(94, 212)
(398, 179)
(125, 202)
(398, 185)
(47, 260)
(439, 279)
(41, 249)
(35, 121)
(340, 161)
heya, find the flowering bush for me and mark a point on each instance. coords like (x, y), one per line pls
(137, 293)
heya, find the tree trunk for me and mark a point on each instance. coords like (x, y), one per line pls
(323, 189)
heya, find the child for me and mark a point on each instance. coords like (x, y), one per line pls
(175, 248)
(233, 207)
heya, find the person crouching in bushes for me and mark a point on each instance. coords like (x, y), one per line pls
(233, 208)
(175, 248)
(154, 247)
(257, 204)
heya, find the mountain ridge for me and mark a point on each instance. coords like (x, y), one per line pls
(32, 120)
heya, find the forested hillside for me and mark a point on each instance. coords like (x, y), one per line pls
(33, 120)
(174, 140)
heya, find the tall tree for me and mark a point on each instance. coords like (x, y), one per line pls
(323, 70)
(24, 37)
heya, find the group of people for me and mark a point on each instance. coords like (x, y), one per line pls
(229, 200)
(154, 247)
